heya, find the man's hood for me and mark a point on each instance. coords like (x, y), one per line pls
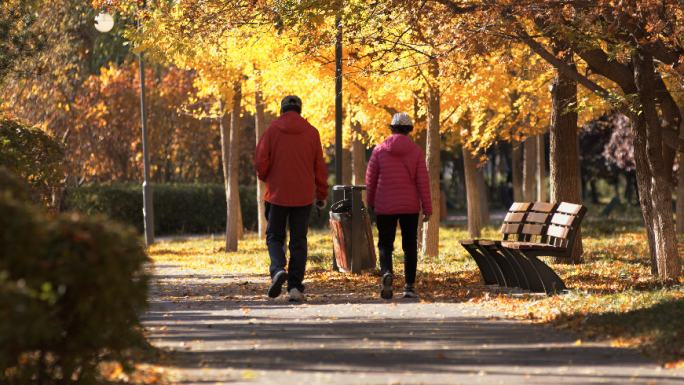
(398, 144)
(290, 123)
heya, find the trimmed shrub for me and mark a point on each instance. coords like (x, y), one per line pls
(178, 208)
(71, 288)
(34, 156)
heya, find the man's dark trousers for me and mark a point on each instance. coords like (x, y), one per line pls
(387, 230)
(277, 217)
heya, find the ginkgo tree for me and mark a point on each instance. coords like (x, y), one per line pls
(380, 80)
(394, 60)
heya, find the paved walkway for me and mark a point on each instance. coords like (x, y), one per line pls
(223, 329)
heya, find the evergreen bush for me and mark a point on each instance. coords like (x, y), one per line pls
(34, 156)
(71, 289)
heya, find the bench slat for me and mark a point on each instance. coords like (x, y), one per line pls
(530, 246)
(514, 217)
(544, 207)
(532, 229)
(520, 206)
(510, 228)
(558, 232)
(563, 219)
(569, 208)
(537, 217)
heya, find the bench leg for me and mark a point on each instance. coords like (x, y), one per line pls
(488, 267)
(515, 277)
(551, 280)
(534, 281)
(504, 263)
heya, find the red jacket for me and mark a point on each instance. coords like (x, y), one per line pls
(289, 158)
(397, 179)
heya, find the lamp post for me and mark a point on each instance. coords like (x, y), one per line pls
(338, 103)
(338, 195)
(105, 23)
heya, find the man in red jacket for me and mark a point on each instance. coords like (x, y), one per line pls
(289, 158)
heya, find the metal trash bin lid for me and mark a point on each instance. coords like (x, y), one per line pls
(340, 187)
(342, 206)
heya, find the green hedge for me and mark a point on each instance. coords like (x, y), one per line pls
(178, 208)
(71, 289)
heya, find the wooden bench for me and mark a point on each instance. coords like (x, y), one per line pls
(530, 230)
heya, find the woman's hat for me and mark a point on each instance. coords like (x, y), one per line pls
(401, 119)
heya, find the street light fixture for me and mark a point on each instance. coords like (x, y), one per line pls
(105, 23)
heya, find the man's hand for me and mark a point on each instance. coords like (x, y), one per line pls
(426, 217)
(320, 204)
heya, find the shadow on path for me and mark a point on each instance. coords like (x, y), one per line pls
(213, 339)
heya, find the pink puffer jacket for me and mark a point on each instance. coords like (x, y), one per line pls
(397, 178)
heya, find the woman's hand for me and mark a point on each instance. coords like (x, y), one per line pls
(427, 217)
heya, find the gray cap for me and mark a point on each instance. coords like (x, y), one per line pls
(291, 100)
(401, 119)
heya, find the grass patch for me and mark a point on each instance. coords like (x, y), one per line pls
(613, 295)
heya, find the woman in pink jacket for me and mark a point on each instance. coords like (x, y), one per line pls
(397, 187)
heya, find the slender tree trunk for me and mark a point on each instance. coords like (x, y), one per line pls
(563, 152)
(241, 228)
(680, 188)
(654, 192)
(473, 195)
(460, 186)
(260, 127)
(529, 169)
(670, 118)
(541, 169)
(359, 163)
(482, 193)
(420, 138)
(346, 166)
(516, 168)
(431, 228)
(231, 172)
(224, 128)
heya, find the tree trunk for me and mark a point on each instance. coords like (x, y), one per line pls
(346, 166)
(359, 163)
(260, 127)
(541, 169)
(670, 118)
(563, 152)
(420, 138)
(529, 169)
(482, 193)
(516, 169)
(473, 195)
(594, 191)
(231, 152)
(224, 128)
(654, 191)
(431, 228)
(680, 189)
(241, 228)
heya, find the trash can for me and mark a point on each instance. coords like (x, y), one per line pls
(353, 249)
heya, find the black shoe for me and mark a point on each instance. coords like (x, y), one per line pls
(386, 291)
(409, 291)
(277, 284)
